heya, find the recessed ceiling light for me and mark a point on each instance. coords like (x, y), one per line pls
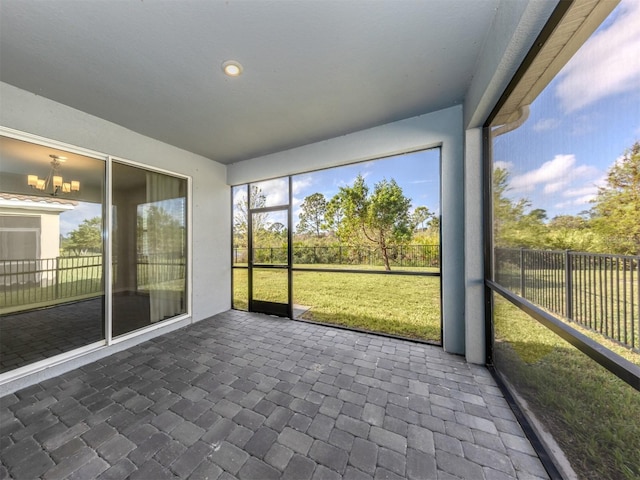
(232, 68)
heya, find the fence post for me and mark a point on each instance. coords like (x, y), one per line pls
(568, 284)
(522, 277)
(57, 288)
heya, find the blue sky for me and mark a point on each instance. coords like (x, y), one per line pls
(70, 220)
(581, 123)
(417, 173)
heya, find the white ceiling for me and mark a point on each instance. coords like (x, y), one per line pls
(313, 69)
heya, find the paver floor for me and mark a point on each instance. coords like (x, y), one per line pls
(249, 396)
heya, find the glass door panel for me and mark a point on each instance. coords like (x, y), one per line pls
(269, 262)
(271, 285)
(51, 252)
(270, 237)
(149, 247)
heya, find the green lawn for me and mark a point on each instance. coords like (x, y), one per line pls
(594, 416)
(408, 306)
(606, 302)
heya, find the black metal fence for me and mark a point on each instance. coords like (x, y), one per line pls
(598, 291)
(31, 282)
(160, 268)
(401, 256)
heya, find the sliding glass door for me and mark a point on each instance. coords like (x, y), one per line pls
(149, 247)
(63, 288)
(51, 252)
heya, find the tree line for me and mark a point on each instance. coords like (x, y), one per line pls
(380, 217)
(157, 232)
(611, 225)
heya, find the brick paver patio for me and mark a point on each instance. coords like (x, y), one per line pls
(249, 396)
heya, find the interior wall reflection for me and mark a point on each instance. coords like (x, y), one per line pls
(51, 255)
(149, 247)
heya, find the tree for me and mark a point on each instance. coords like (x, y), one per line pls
(420, 217)
(159, 232)
(572, 222)
(507, 213)
(381, 218)
(538, 214)
(86, 238)
(278, 229)
(571, 232)
(616, 210)
(256, 199)
(333, 215)
(313, 210)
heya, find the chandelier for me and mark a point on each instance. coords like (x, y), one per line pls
(54, 183)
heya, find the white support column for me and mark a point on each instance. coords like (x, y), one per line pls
(473, 249)
(452, 254)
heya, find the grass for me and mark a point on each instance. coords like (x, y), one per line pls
(607, 302)
(407, 306)
(593, 415)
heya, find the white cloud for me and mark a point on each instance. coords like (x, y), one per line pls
(581, 196)
(555, 176)
(607, 64)
(276, 191)
(553, 171)
(553, 187)
(546, 124)
(585, 191)
(502, 164)
(301, 182)
(583, 201)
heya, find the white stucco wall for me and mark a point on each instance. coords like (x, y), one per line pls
(210, 243)
(49, 235)
(443, 129)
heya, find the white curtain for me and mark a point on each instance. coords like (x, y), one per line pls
(164, 296)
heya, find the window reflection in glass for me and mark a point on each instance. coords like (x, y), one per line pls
(51, 254)
(149, 247)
